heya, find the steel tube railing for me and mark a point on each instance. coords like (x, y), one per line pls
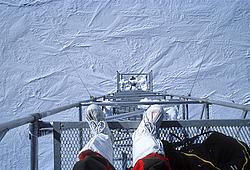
(35, 116)
(31, 118)
(80, 131)
(125, 115)
(17, 122)
(216, 102)
(142, 103)
(194, 100)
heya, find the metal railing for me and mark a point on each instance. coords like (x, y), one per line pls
(38, 127)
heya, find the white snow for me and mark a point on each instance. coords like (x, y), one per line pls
(139, 83)
(49, 48)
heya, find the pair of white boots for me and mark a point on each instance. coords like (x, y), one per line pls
(144, 138)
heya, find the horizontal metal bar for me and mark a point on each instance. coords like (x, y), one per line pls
(134, 95)
(125, 115)
(54, 111)
(142, 103)
(92, 99)
(17, 122)
(164, 124)
(221, 103)
(70, 125)
(35, 116)
(112, 125)
(216, 102)
(32, 117)
(183, 123)
(206, 123)
(131, 74)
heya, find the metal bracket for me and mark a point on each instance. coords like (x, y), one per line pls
(244, 114)
(205, 110)
(44, 128)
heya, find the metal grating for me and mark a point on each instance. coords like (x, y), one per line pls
(70, 132)
(70, 141)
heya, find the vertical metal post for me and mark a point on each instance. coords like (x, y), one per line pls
(244, 114)
(183, 111)
(118, 81)
(151, 81)
(57, 129)
(202, 111)
(80, 112)
(206, 111)
(187, 114)
(33, 128)
(80, 129)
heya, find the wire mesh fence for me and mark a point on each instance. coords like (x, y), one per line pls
(70, 137)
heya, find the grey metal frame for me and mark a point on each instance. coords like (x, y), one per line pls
(57, 145)
(36, 127)
(34, 142)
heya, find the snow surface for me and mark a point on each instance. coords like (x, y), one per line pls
(49, 47)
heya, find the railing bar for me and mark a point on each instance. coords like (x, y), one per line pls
(32, 117)
(141, 103)
(80, 130)
(125, 115)
(54, 111)
(217, 102)
(17, 122)
(150, 94)
(167, 124)
(132, 74)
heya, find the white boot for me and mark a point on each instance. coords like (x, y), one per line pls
(96, 120)
(144, 138)
(102, 140)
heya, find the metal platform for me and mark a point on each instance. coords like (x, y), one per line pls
(69, 137)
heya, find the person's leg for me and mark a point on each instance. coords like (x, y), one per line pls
(99, 148)
(148, 150)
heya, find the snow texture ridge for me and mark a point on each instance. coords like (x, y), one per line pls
(49, 47)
